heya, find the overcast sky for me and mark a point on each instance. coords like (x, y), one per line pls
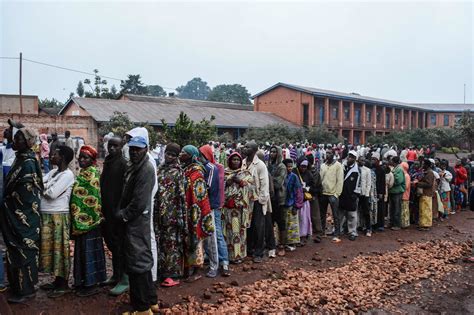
(401, 51)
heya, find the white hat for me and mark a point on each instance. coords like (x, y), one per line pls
(354, 153)
(376, 155)
(140, 132)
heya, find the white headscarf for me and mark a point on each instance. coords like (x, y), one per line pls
(140, 132)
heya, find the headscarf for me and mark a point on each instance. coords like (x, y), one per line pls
(30, 136)
(173, 147)
(206, 151)
(231, 156)
(90, 151)
(193, 151)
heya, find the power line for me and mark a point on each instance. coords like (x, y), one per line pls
(9, 58)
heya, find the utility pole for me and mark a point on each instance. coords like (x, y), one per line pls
(21, 100)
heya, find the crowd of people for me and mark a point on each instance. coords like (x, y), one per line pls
(167, 215)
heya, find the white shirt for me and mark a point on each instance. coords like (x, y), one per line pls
(57, 192)
(445, 180)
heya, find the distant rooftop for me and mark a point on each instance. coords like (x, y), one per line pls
(356, 97)
(152, 112)
(183, 101)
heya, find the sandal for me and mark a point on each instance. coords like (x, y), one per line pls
(168, 282)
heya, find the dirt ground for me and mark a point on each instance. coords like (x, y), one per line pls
(455, 294)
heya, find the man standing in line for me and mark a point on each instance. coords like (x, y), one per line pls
(332, 179)
(380, 183)
(348, 200)
(111, 186)
(135, 208)
(256, 239)
(396, 193)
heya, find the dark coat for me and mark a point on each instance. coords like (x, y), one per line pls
(380, 180)
(348, 198)
(135, 212)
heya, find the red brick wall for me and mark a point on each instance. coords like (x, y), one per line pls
(84, 127)
(286, 103)
(10, 104)
(75, 110)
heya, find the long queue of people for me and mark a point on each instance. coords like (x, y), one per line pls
(210, 205)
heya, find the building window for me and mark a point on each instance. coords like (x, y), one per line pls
(335, 112)
(396, 118)
(75, 113)
(321, 114)
(433, 119)
(379, 117)
(357, 117)
(387, 120)
(346, 113)
(305, 114)
(369, 116)
(446, 120)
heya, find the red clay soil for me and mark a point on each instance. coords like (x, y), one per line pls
(453, 296)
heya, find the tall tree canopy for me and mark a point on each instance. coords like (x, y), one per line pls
(155, 90)
(230, 93)
(196, 89)
(133, 85)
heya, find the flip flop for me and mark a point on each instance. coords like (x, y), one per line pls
(192, 278)
(168, 282)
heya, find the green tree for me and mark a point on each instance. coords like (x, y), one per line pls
(99, 88)
(196, 89)
(119, 124)
(80, 89)
(155, 90)
(465, 126)
(186, 131)
(50, 103)
(321, 134)
(230, 93)
(133, 85)
(275, 133)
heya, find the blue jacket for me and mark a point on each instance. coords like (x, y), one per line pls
(212, 180)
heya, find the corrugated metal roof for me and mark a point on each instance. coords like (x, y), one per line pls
(438, 107)
(102, 109)
(182, 101)
(367, 99)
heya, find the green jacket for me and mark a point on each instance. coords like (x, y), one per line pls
(399, 181)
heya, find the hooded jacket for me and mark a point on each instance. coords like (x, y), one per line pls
(278, 172)
(350, 188)
(398, 181)
(217, 201)
(135, 211)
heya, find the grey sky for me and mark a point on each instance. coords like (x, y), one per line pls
(403, 51)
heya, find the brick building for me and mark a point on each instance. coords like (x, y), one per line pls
(352, 115)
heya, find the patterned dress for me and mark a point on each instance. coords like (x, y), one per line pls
(236, 214)
(20, 222)
(86, 217)
(294, 198)
(170, 220)
(200, 223)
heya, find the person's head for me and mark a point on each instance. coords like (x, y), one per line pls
(427, 164)
(289, 165)
(351, 157)
(310, 158)
(417, 164)
(458, 162)
(114, 146)
(329, 155)
(7, 134)
(303, 165)
(24, 139)
(189, 154)
(54, 136)
(126, 138)
(361, 161)
(62, 156)
(395, 160)
(138, 148)
(234, 161)
(250, 149)
(44, 137)
(67, 134)
(443, 164)
(172, 152)
(87, 156)
(273, 154)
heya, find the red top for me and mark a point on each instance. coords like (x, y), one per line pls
(411, 155)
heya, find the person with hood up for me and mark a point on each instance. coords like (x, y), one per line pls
(215, 245)
(278, 172)
(200, 222)
(143, 132)
(350, 194)
(111, 186)
(135, 213)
